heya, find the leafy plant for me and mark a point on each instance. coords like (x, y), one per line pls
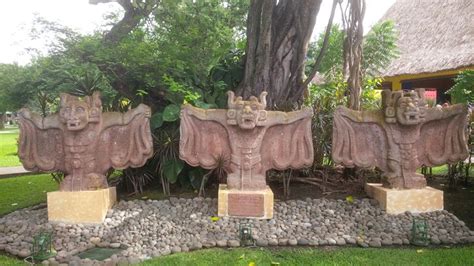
(463, 89)
(371, 94)
(219, 173)
(168, 164)
(58, 177)
(379, 48)
(134, 179)
(324, 99)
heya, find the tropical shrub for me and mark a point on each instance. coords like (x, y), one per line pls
(463, 89)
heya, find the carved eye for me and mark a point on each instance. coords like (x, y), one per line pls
(231, 113)
(80, 109)
(390, 111)
(254, 107)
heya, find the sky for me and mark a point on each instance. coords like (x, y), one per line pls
(16, 21)
(375, 9)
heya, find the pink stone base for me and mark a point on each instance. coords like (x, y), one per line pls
(257, 204)
(395, 201)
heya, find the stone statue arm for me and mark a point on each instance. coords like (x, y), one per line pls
(445, 112)
(443, 136)
(120, 119)
(289, 144)
(204, 142)
(41, 122)
(40, 144)
(125, 139)
(276, 118)
(360, 116)
(359, 139)
(206, 114)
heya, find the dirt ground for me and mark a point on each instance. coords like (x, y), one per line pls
(459, 201)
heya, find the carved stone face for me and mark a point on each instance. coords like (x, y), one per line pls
(406, 108)
(409, 110)
(246, 114)
(75, 115)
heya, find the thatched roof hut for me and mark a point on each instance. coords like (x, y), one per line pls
(435, 39)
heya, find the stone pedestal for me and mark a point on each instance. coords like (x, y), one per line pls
(257, 204)
(80, 206)
(395, 201)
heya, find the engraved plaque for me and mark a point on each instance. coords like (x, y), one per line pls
(246, 205)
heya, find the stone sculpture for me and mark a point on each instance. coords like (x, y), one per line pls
(248, 139)
(400, 138)
(83, 142)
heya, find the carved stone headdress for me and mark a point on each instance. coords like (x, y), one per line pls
(233, 101)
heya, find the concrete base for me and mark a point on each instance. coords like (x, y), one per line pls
(395, 201)
(256, 204)
(80, 206)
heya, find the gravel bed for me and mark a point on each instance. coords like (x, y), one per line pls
(145, 229)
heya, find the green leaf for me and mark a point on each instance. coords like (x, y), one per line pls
(156, 120)
(171, 169)
(202, 104)
(195, 177)
(350, 199)
(171, 113)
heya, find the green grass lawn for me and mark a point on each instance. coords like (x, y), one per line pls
(10, 261)
(442, 170)
(24, 191)
(311, 256)
(321, 256)
(8, 147)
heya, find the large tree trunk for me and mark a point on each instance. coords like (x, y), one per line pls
(352, 21)
(278, 33)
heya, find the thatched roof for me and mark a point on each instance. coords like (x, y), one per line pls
(433, 35)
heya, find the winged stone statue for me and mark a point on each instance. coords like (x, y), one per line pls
(403, 136)
(247, 138)
(83, 142)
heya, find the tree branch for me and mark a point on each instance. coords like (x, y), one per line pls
(135, 11)
(324, 47)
